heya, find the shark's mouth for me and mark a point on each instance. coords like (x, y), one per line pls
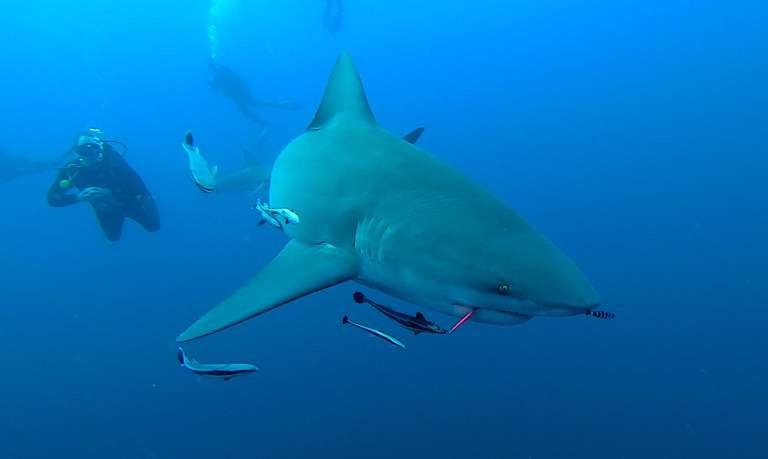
(490, 315)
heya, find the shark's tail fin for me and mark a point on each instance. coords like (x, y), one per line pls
(344, 320)
(180, 356)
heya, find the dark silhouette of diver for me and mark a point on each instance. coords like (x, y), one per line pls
(231, 85)
(106, 181)
(13, 167)
(333, 14)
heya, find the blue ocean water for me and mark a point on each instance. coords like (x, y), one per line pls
(632, 133)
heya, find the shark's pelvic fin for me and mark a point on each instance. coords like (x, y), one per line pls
(298, 270)
(344, 95)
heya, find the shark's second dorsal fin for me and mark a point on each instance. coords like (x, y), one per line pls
(344, 94)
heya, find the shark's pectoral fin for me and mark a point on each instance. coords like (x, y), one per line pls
(298, 270)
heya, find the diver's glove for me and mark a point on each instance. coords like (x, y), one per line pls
(93, 194)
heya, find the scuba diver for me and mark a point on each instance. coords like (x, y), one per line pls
(106, 181)
(232, 86)
(334, 11)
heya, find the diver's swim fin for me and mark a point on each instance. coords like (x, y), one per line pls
(298, 270)
(414, 135)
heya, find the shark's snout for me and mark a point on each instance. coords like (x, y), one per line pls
(565, 287)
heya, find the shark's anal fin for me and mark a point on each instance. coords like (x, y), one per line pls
(298, 270)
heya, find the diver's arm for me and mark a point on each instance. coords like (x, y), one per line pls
(57, 194)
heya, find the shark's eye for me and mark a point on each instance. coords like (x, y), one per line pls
(503, 288)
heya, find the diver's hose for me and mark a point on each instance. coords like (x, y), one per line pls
(117, 142)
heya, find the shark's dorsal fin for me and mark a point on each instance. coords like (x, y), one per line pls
(344, 95)
(420, 316)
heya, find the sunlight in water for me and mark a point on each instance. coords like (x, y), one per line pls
(219, 10)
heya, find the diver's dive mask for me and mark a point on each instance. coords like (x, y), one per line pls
(90, 148)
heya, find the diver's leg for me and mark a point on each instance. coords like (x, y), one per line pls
(111, 221)
(144, 211)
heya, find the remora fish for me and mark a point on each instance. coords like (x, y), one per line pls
(225, 371)
(417, 324)
(379, 334)
(275, 217)
(203, 175)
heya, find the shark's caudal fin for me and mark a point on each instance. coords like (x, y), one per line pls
(414, 135)
(296, 271)
(344, 95)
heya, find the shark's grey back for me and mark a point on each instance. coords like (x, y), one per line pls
(355, 165)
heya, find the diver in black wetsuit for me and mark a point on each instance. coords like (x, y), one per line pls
(106, 181)
(231, 85)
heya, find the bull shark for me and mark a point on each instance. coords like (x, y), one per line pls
(13, 166)
(252, 177)
(381, 211)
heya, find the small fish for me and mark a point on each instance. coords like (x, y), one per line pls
(275, 217)
(417, 324)
(225, 371)
(203, 175)
(379, 334)
(288, 216)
